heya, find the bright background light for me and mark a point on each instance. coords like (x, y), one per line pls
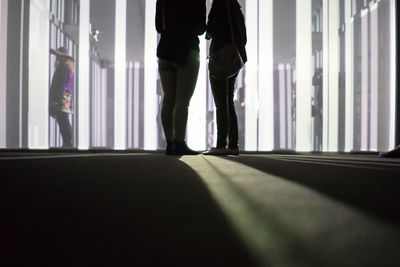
(120, 94)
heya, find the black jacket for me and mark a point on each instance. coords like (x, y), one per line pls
(180, 22)
(218, 28)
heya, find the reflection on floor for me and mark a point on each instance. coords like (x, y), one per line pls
(147, 209)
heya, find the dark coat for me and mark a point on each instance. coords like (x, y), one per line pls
(218, 28)
(61, 90)
(180, 22)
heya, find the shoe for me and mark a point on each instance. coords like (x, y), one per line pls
(181, 148)
(395, 153)
(233, 151)
(216, 151)
(170, 148)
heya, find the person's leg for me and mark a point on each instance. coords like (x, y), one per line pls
(233, 124)
(65, 128)
(168, 75)
(218, 88)
(185, 85)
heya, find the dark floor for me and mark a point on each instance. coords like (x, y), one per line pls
(148, 209)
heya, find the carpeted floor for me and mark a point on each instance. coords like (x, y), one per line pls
(148, 209)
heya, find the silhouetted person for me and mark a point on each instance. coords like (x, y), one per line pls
(317, 82)
(179, 22)
(218, 30)
(61, 90)
(394, 153)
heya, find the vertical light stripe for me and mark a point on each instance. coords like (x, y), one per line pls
(3, 71)
(104, 105)
(325, 78)
(251, 68)
(282, 107)
(83, 84)
(349, 123)
(130, 105)
(120, 76)
(38, 84)
(333, 61)
(266, 75)
(364, 79)
(374, 79)
(393, 75)
(136, 80)
(303, 74)
(289, 106)
(196, 126)
(150, 78)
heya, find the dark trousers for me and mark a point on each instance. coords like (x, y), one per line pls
(65, 128)
(227, 126)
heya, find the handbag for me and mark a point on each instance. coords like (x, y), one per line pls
(226, 62)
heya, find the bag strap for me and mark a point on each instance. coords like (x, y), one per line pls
(230, 20)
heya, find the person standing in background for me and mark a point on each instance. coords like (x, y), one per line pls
(179, 22)
(61, 92)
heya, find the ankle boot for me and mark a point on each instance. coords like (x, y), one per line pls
(181, 148)
(170, 148)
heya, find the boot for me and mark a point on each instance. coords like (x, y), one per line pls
(170, 148)
(181, 148)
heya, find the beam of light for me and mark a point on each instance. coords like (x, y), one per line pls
(251, 97)
(196, 126)
(266, 75)
(333, 83)
(325, 77)
(303, 74)
(374, 78)
(393, 76)
(120, 76)
(83, 84)
(38, 134)
(3, 71)
(364, 79)
(104, 105)
(136, 77)
(282, 106)
(150, 78)
(349, 65)
(130, 106)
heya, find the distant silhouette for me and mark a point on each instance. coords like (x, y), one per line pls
(219, 31)
(179, 22)
(394, 153)
(317, 108)
(61, 90)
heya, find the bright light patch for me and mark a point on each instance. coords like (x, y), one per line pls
(150, 78)
(3, 71)
(266, 75)
(251, 101)
(120, 76)
(303, 75)
(84, 99)
(333, 80)
(196, 126)
(393, 76)
(38, 115)
(349, 123)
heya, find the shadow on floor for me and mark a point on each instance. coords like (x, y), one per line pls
(113, 211)
(375, 191)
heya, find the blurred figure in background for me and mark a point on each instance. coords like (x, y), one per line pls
(61, 92)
